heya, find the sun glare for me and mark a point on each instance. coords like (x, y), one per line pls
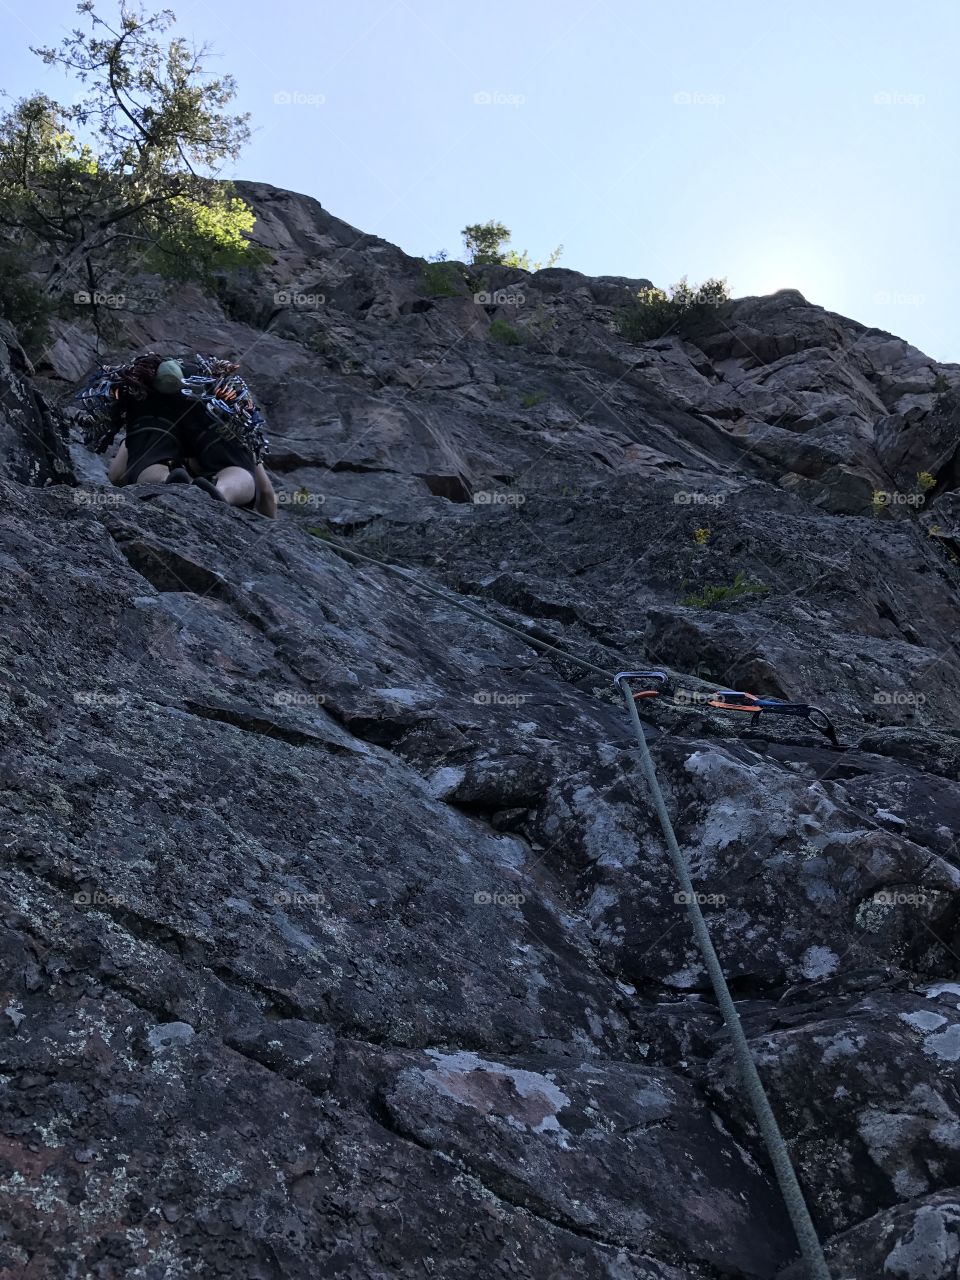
(786, 266)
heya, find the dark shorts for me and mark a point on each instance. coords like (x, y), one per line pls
(159, 440)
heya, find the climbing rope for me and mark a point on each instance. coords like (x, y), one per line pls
(408, 577)
(810, 1247)
(803, 1227)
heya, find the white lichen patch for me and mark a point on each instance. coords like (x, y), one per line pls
(163, 1260)
(478, 1083)
(873, 915)
(212, 1170)
(603, 897)
(445, 781)
(14, 1011)
(55, 1132)
(606, 840)
(943, 989)
(818, 962)
(884, 815)
(407, 697)
(924, 1019)
(686, 979)
(927, 1101)
(945, 1045)
(930, 1248)
(887, 1136)
(168, 1035)
(843, 1045)
(743, 804)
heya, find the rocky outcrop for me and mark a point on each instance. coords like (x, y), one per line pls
(34, 447)
(339, 937)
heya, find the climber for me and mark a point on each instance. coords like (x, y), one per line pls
(185, 421)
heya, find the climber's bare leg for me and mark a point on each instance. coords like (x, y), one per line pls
(157, 474)
(237, 485)
(117, 471)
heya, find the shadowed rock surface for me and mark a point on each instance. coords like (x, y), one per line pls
(338, 933)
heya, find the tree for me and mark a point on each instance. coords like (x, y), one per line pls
(127, 175)
(484, 241)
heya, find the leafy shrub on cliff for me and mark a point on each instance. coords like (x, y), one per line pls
(486, 243)
(521, 259)
(654, 314)
(500, 331)
(713, 597)
(440, 279)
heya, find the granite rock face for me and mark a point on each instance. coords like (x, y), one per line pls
(338, 933)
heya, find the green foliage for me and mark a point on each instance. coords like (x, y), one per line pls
(440, 279)
(484, 241)
(127, 172)
(500, 331)
(712, 597)
(531, 398)
(24, 303)
(654, 314)
(940, 384)
(197, 240)
(880, 501)
(648, 316)
(514, 258)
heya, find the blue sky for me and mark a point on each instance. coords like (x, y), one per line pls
(805, 144)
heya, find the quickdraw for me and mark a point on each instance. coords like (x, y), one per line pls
(729, 700)
(228, 401)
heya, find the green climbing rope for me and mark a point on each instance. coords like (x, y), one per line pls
(790, 1189)
(810, 1247)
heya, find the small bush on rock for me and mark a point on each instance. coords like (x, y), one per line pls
(713, 597)
(440, 280)
(654, 314)
(500, 331)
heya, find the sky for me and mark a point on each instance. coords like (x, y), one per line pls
(809, 145)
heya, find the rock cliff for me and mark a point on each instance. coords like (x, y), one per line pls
(339, 938)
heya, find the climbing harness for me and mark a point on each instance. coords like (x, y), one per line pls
(735, 700)
(806, 1233)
